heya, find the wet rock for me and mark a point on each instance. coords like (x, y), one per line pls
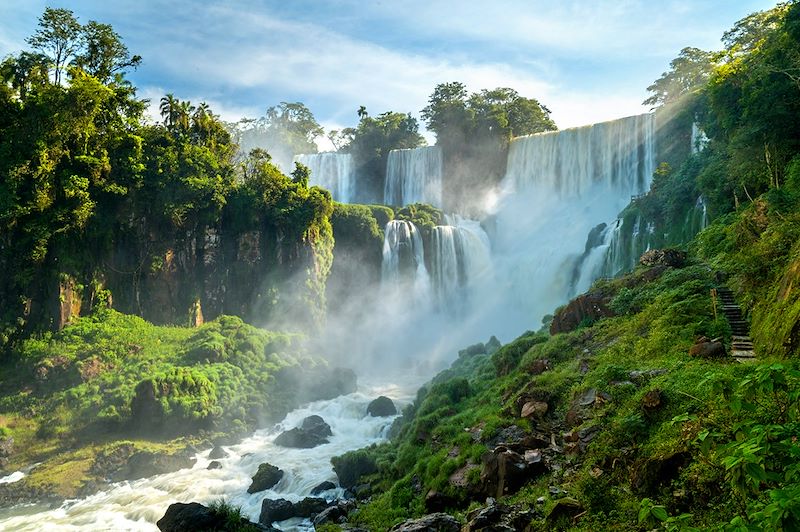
(193, 516)
(275, 510)
(498, 518)
(382, 406)
(323, 486)
(332, 514)
(437, 522)
(705, 348)
(145, 464)
(217, 453)
(663, 257)
(266, 477)
(214, 465)
(309, 507)
(534, 409)
(312, 432)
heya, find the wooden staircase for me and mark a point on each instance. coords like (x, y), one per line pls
(741, 343)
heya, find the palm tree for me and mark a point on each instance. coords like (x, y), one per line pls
(362, 112)
(169, 110)
(185, 109)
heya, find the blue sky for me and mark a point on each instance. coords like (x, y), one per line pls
(586, 60)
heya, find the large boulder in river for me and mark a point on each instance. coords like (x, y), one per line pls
(382, 406)
(281, 509)
(266, 477)
(312, 431)
(194, 516)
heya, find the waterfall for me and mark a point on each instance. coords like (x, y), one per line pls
(403, 265)
(332, 171)
(558, 187)
(414, 176)
(460, 256)
(699, 138)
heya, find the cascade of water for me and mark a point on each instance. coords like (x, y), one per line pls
(403, 265)
(558, 186)
(699, 138)
(332, 171)
(414, 176)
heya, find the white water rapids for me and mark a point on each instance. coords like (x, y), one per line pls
(137, 505)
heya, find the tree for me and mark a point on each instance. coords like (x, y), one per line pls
(25, 71)
(294, 124)
(688, 72)
(59, 37)
(104, 54)
(170, 110)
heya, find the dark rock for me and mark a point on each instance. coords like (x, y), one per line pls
(436, 501)
(309, 507)
(332, 514)
(193, 516)
(144, 464)
(382, 406)
(497, 517)
(704, 348)
(312, 432)
(508, 436)
(214, 465)
(350, 467)
(217, 453)
(438, 522)
(663, 257)
(504, 471)
(275, 510)
(586, 308)
(566, 508)
(323, 486)
(266, 477)
(539, 366)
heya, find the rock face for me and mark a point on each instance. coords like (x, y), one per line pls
(382, 406)
(588, 307)
(312, 432)
(663, 257)
(438, 522)
(194, 516)
(266, 477)
(705, 348)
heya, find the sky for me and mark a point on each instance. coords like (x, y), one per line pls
(586, 60)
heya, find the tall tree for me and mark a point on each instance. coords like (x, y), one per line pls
(104, 54)
(688, 72)
(59, 37)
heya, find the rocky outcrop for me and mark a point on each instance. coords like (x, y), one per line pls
(504, 471)
(438, 522)
(217, 453)
(586, 308)
(663, 257)
(266, 477)
(498, 517)
(312, 432)
(193, 516)
(323, 486)
(350, 467)
(382, 406)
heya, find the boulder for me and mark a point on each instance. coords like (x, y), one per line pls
(438, 522)
(705, 348)
(312, 431)
(331, 514)
(190, 517)
(498, 518)
(266, 477)
(586, 308)
(145, 464)
(323, 486)
(214, 465)
(565, 508)
(382, 406)
(275, 510)
(534, 409)
(503, 472)
(663, 257)
(309, 507)
(217, 453)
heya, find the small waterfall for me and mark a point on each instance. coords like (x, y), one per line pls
(460, 256)
(403, 264)
(414, 176)
(699, 138)
(332, 171)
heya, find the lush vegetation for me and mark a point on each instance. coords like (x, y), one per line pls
(636, 434)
